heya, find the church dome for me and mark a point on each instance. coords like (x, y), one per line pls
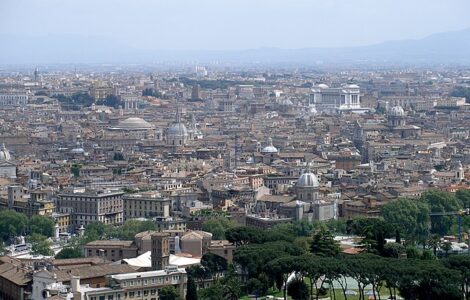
(308, 179)
(397, 111)
(323, 86)
(134, 124)
(4, 153)
(177, 129)
(269, 148)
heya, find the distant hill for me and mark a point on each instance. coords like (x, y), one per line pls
(447, 47)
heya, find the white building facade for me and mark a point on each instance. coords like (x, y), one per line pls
(334, 100)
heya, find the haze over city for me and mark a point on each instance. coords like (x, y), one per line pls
(143, 26)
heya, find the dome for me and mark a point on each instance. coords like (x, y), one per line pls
(308, 179)
(353, 86)
(269, 148)
(323, 86)
(177, 129)
(397, 111)
(134, 124)
(4, 153)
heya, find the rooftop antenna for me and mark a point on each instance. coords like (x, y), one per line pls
(178, 117)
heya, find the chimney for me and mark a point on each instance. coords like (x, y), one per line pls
(75, 282)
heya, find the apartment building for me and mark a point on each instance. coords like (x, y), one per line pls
(87, 206)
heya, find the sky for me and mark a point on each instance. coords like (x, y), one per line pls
(234, 24)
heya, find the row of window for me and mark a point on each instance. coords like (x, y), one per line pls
(150, 281)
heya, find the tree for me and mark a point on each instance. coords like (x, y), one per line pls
(243, 235)
(12, 224)
(412, 252)
(111, 101)
(129, 229)
(281, 268)
(40, 245)
(76, 101)
(463, 196)
(428, 280)
(336, 226)
(218, 226)
(259, 285)
(434, 242)
(214, 292)
(95, 231)
(69, 252)
(317, 269)
(297, 289)
(168, 293)
(227, 288)
(198, 272)
(410, 217)
(231, 284)
(191, 292)
(323, 244)
(293, 230)
(394, 250)
(42, 225)
(374, 232)
(303, 228)
(440, 201)
(118, 156)
(2, 249)
(254, 258)
(461, 91)
(303, 243)
(75, 170)
(461, 264)
(356, 267)
(427, 255)
(213, 263)
(446, 246)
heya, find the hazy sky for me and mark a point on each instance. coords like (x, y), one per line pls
(235, 24)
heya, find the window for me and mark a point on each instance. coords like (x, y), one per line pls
(131, 294)
(102, 298)
(145, 282)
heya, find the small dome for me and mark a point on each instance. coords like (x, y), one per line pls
(134, 124)
(269, 148)
(397, 111)
(4, 153)
(323, 86)
(353, 86)
(308, 179)
(177, 129)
